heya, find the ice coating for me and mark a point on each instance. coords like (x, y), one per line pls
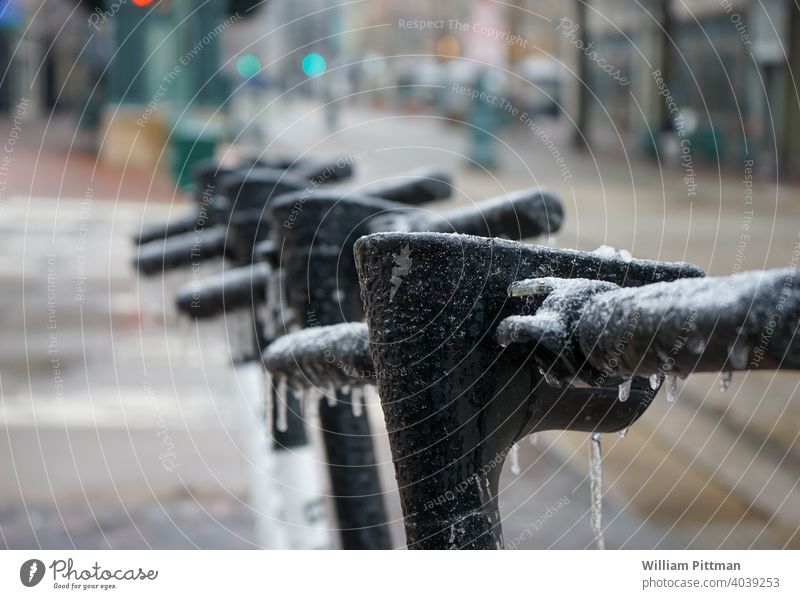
(323, 356)
(606, 251)
(625, 390)
(744, 321)
(550, 328)
(596, 489)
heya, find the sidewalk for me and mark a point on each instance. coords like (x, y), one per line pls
(47, 162)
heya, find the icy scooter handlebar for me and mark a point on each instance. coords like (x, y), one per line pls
(747, 321)
(314, 233)
(516, 215)
(249, 194)
(208, 298)
(208, 173)
(205, 175)
(245, 196)
(181, 251)
(354, 479)
(336, 355)
(463, 400)
(419, 186)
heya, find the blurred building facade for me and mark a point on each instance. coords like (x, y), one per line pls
(725, 69)
(725, 65)
(722, 68)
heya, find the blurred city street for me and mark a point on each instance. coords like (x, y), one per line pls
(117, 415)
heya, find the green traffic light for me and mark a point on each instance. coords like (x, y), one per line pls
(314, 65)
(248, 66)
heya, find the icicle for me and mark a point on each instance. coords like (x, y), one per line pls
(534, 439)
(514, 456)
(552, 240)
(596, 487)
(725, 380)
(655, 381)
(672, 387)
(605, 251)
(625, 390)
(696, 345)
(238, 333)
(738, 354)
(283, 408)
(623, 432)
(312, 399)
(330, 395)
(269, 398)
(549, 378)
(305, 398)
(357, 401)
(534, 287)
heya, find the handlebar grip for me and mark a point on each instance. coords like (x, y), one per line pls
(182, 251)
(517, 215)
(416, 187)
(232, 289)
(160, 231)
(746, 321)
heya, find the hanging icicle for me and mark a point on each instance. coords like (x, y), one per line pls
(725, 380)
(624, 391)
(672, 387)
(330, 395)
(282, 405)
(596, 489)
(269, 399)
(514, 457)
(357, 401)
